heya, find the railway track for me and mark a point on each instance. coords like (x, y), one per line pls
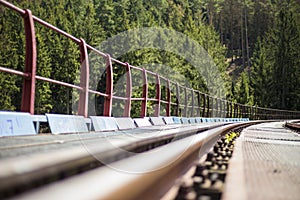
(90, 166)
(294, 125)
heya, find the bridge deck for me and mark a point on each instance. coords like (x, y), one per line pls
(265, 164)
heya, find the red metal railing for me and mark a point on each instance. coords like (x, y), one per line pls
(201, 105)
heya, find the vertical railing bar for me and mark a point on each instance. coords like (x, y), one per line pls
(127, 108)
(185, 103)
(204, 105)
(220, 108)
(168, 108)
(231, 111)
(228, 109)
(28, 92)
(217, 107)
(211, 106)
(145, 94)
(157, 96)
(109, 87)
(207, 106)
(199, 104)
(177, 99)
(234, 108)
(193, 104)
(84, 80)
(224, 108)
(224, 111)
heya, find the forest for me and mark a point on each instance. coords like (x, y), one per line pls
(254, 44)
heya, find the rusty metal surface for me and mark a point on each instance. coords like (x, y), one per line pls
(265, 164)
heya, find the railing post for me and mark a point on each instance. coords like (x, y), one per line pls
(177, 99)
(220, 107)
(28, 92)
(157, 96)
(241, 111)
(241, 108)
(203, 105)
(207, 106)
(145, 93)
(84, 80)
(211, 102)
(193, 104)
(217, 107)
(127, 108)
(224, 109)
(168, 109)
(185, 103)
(231, 110)
(109, 87)
(234, 110)
(227, 109)
(199, 105)
(249, 112)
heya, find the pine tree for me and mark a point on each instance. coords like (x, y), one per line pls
(261, 75)
(286, 40)
(12, 56)
(243, 94)
(276, 66)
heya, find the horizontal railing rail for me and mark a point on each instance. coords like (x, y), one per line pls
(193, 104)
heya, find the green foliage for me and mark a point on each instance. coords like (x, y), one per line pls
(243, 95)
(11, 56)
(260, 75)
(276, 74)
(96, 21)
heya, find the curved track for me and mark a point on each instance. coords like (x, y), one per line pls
(294, 125)
(137, 168)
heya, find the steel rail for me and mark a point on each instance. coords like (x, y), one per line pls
(295, 125)
(154, 171)
(22, 171)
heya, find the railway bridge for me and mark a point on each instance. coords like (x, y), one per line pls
(192, 146)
